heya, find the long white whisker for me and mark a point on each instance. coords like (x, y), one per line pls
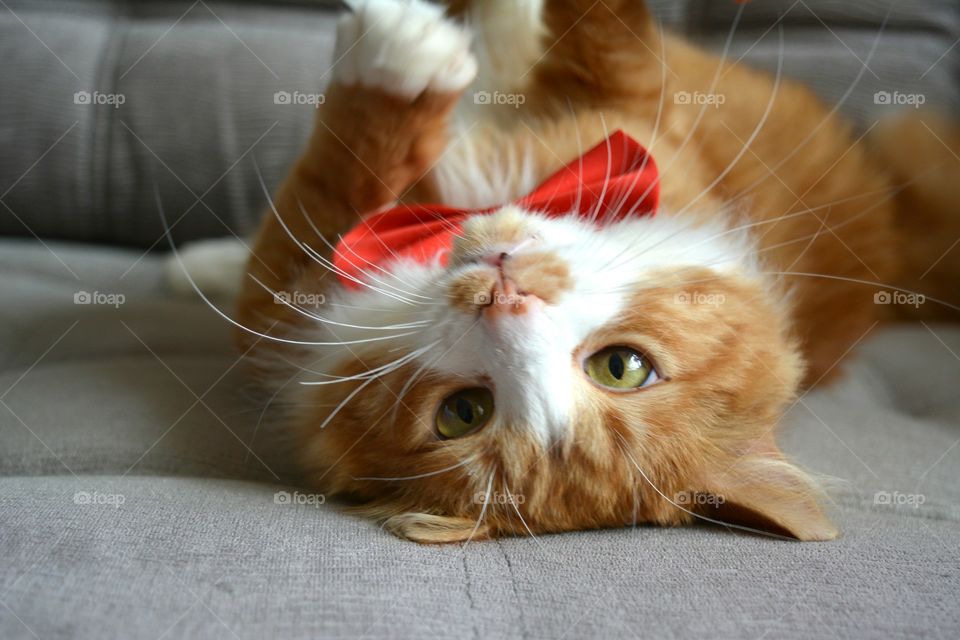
(513, 502)
(753, 136)
(483, 509)
(310, 252)
(829, 117)
(418, 373)
(223, 315)
(728, 525)
(304, 312)
(606, 181)
(825, 276)
(653, 134)
(421, 475)
(713, 88)
(333, 249)
(363, 386)
(374, 373)
(320, 259)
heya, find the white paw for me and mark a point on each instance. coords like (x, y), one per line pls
(404, 47)
(215, 266)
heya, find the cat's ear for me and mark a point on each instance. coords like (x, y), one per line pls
(428, 528)
(766, 492)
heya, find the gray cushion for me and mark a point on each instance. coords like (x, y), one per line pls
(207, 558)
(199, 79)
(129, 509)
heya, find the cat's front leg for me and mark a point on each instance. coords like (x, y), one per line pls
(400, 69)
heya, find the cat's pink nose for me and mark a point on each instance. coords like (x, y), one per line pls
(495, 259)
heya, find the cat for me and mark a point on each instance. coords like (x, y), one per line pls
(551, 373)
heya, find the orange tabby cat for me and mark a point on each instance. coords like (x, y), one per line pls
(557, 373)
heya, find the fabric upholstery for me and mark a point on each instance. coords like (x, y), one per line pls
(199, 79)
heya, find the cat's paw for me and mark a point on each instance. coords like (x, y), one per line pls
(404, 47)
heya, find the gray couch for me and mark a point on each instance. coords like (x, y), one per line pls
(137, 492)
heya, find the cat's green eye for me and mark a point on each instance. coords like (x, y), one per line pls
(464, 412)
(620, 368)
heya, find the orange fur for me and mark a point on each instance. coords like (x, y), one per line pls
(823, 204)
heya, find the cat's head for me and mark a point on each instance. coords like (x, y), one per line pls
(558, 375)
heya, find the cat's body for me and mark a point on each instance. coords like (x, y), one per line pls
(746, 285)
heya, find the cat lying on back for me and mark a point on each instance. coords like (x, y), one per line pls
(523, 369)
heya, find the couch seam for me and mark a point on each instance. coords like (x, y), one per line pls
(468, 591)
(117, 43)
(513, 587)
(100, 135)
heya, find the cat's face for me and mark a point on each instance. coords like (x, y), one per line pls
(559, 375)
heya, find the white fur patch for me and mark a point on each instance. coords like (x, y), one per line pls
(216, 266)
(404, 48)
(474, 177)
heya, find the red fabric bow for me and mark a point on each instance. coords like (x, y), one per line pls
(616, 178)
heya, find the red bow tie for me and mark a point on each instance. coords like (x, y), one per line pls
(615, 179)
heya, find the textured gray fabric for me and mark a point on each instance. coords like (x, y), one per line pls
(200, 549)
(199, 81)
(201, 558)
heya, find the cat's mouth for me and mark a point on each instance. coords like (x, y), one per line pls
(511, 284)
(506, 298)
